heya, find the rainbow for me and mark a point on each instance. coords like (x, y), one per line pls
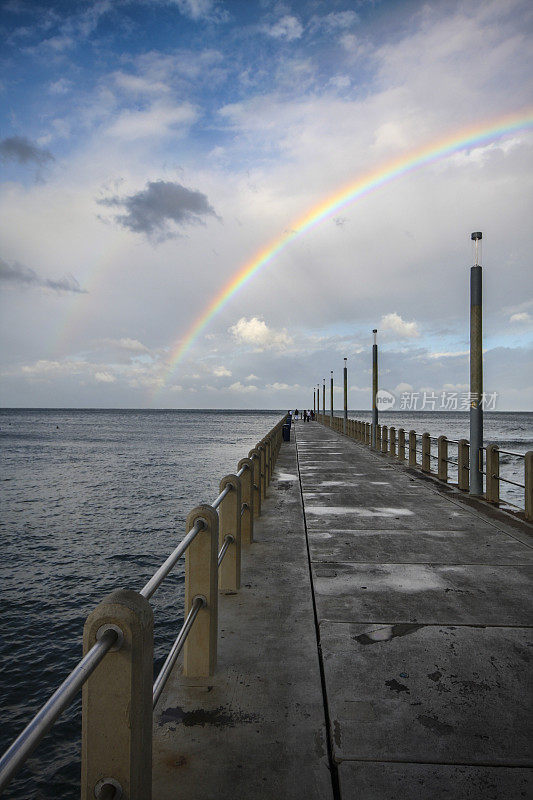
(428, 154)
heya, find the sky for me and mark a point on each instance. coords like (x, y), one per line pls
(150, 150)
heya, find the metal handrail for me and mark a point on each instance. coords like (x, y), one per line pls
(215, 504)
(506, 480)
(511, 453)
(27, 741)
(158, 577)
(19, 751)
(229, 539)
(175, 650)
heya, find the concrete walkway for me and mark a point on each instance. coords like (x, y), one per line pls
(412, 640)
(424, 611)
(257, 728)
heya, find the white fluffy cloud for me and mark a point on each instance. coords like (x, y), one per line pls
(241, 388)
(104, 377)
(397, 326)
(287, 27)
(255, 332)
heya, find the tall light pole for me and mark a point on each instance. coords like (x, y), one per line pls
(345, 425)
(331, 397)
(314, 401)
(324, 399)
(476, 368)
(374, 387)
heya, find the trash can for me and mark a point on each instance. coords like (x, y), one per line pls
(286, 432)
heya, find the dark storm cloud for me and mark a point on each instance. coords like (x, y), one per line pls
(19, 275)
(20, 149)
(151, 210)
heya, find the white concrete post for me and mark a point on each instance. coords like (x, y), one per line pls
(255, 455)
(384, 438)
(412, 448)
(247, 500)
(392, 446)
(229, 524)
(442, 456)
(426, 452)
(463, 481)
(401, 444)
(493, 474)
(201, 579)
(117, 700)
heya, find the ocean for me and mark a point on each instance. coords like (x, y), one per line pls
(94, 500)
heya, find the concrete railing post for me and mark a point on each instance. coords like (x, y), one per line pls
(401, 444)
(384, 439)
(247, 500)
(426, 452)
(378, 438)
(117, 700)
(201, 579)
(492, 484)
(463, 481)
(368, 433)
(262, 466)
(442, 458)
(392, 445)
(412, 448)
(255, 456)
(528, 481)
(267, 463)
(229, 524)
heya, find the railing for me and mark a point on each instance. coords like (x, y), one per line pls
(416, 450)
(118, 698)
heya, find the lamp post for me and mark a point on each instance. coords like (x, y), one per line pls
(476, 369)
(331, 398)
(374, 387)
(345, 425)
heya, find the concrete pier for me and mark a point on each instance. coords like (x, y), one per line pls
(380, 646)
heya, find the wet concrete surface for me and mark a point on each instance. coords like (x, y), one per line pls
(425, 618)
(256, 729)
(424, 637)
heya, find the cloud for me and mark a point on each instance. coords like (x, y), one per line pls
(522, 316)
(138, 84)
(240, 387)
(104, 377)
(281, 387)
(61, 86)
(221, 372)
(162, 202)
(207, 10)
(287, 27)
(23, 151)
(399, 327)
(334, 21)
(251, 377)
(125, 343)
(19, 275)
(158, 120)
(255, 331)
